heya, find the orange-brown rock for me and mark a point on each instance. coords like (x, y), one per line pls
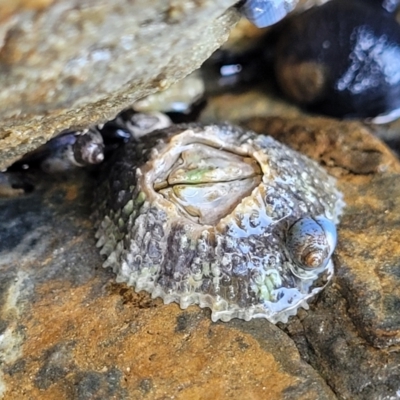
(68, 331)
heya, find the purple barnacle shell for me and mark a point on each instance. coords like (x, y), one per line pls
(264, 13)
(341, 59)
(213, 214)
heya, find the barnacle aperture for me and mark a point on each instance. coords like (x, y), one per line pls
(218, 216)
(206, 183)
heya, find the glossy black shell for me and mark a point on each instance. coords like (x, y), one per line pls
(341, 59)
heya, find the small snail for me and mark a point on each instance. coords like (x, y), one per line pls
(66, 151)
(264, 13)
(88, 148)
(311, 242)
(74, 149)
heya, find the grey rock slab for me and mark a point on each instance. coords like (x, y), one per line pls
(68, 64)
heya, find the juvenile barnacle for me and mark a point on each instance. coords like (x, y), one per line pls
(224, 218)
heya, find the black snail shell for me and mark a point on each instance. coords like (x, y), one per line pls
(220, 217)
(341, 59)
(68, 150)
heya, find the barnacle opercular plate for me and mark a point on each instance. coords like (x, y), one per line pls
(220, 217)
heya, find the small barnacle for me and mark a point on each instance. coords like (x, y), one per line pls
(224, 218)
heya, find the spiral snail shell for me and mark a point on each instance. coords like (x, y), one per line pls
(66, 151)
(311, 242)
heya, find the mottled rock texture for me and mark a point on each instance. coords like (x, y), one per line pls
(72, 63)
(68, 331)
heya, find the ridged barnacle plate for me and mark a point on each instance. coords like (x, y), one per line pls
(220, 217)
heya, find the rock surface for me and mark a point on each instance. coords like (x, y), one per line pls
(353, 334)
(68, 64)
(69, 331)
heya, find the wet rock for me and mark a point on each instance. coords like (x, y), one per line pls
(69, 64)
(345, 148)
(390, 134)
(69, 331)
(344, 345)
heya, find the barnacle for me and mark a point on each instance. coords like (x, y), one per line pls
(216, 216)
(340, 59)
